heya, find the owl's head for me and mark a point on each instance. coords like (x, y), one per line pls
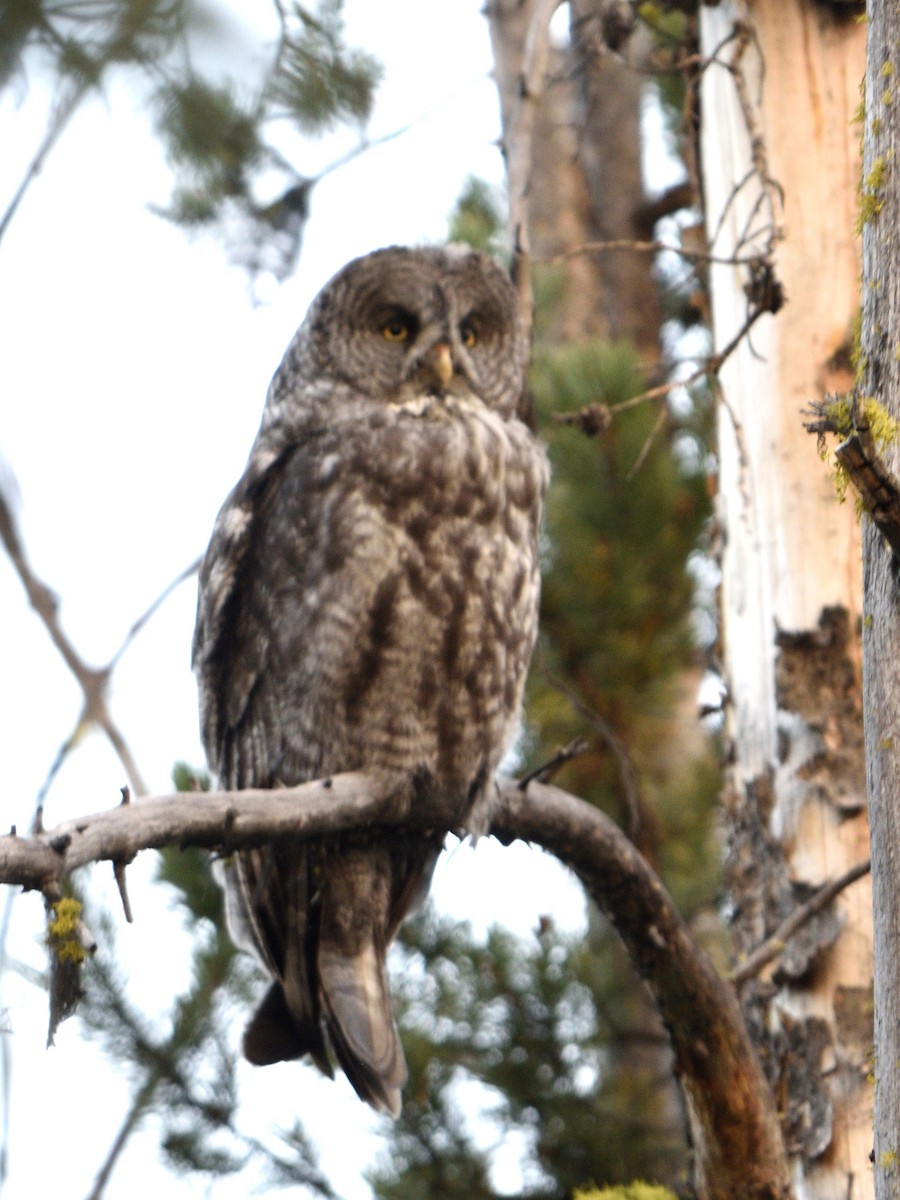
(403, 322)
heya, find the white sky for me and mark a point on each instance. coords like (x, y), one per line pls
(133, 369)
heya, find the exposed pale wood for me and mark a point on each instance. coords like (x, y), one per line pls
(791, 552)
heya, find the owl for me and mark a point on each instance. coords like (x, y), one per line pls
(368, 602)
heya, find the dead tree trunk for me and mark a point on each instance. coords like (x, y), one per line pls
(880, 214)
(780, 170)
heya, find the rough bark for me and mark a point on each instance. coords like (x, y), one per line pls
(881, 696)
(779, 157)
(736, 1134)
(608, 108)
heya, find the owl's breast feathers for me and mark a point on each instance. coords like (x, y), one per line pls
(369, 598)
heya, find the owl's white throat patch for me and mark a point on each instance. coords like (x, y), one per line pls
(425, 404)
(417, 406)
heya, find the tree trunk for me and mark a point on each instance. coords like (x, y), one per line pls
(585, 184)
(780, 169)
(881, 695)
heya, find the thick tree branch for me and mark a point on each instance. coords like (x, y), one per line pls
(222, 821)
(736, 1135)
(732, 1114)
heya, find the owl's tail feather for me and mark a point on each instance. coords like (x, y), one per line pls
(357, 1007)
(275, 1035)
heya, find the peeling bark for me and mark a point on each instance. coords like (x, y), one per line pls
(776, 139)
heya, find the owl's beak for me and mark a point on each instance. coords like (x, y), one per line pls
(442, 363)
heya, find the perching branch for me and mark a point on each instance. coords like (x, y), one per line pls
(732, 1114)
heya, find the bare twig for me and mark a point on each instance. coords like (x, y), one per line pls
(119, 871)
(92, 681)
(628, 784)
(637, 246)
(136, 1111)
(738, 430)
(735, 1129)
(142, 620)
(59, 119)
(545, 772)
(710, 366)
(773, 946)
(661, 419)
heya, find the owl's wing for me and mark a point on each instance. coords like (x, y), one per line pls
(267, 889)
(230, 649)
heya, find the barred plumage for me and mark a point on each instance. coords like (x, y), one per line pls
(368, 601)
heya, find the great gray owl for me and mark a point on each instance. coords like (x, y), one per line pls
(368, 602)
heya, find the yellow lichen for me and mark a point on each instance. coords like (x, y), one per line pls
(887, 70)
(870, 200)
(876, 176)
(887, 1160)
(847, 414)
(870, 205)
(841, 482)
(839, 411)
(628, 1191)
(63, 931)
(884, 428)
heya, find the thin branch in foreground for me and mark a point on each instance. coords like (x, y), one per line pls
(765, 296)
(637, 246)
(92, 681)
(149, 612)
(773, 946)
(545, 771)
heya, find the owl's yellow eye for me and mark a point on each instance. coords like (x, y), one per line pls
(468, 335)
(395, 330)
